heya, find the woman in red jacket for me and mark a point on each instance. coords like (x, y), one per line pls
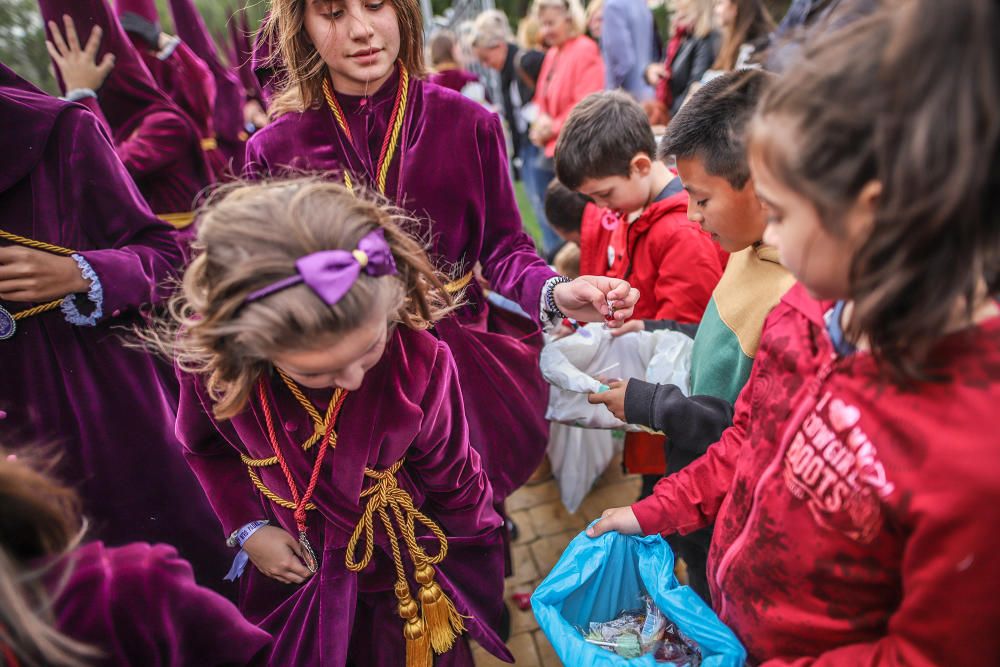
(857, 496)
(572, 69)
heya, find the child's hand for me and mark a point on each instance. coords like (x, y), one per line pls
(78, 65)
(629, 327)
(619, 519)
(277, 555)
(613, 399)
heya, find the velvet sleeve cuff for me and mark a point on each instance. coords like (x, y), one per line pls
(95, 295)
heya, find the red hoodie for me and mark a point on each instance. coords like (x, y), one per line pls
(674, 264)
(856, 524)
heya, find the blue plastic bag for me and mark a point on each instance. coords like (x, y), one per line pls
(597, 579)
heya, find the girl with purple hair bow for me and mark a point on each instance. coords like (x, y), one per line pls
(327, 427)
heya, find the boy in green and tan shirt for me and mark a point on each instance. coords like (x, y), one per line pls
(706, 138)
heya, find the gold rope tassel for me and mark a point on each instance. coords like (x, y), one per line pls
(444, 623)
(434, 623)
(418, 642)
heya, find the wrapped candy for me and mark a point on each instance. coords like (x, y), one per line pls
(633, 634)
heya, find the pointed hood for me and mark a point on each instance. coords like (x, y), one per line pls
(29, 116)
(228, 111)
(265, 61)
(243, 52)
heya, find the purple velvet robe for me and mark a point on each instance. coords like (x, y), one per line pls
(229, 99)
(408, 407)
(160, 155)
(139, 605)
(158, 142)
(451, 171)
(77, 388)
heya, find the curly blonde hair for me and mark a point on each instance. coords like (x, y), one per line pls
(249, 237)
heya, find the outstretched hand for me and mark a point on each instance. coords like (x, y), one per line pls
(597, 298)
(78, 66)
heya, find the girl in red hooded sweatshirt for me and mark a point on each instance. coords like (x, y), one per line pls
(857, 495)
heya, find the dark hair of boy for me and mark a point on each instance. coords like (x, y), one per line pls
(564, 207)
(711, 125)
(601, 136)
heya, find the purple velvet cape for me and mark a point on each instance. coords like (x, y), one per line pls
(139, 605)
(409, 406)
(77, 388)
(156, 140)
(229, 98)
(456, 180)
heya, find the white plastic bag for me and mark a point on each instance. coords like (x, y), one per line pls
(570, 365)
(579, 456)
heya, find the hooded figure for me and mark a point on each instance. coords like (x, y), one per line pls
(156, 140)
(229, 97)
(178, 71)
(69, 382)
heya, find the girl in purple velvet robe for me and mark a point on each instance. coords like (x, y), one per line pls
(68, 380)
(327, 427)
(155, 139)
(69, 605)
(354, 104)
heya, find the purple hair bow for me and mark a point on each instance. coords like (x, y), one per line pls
(332, 273)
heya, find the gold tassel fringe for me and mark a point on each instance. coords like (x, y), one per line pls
(442, 621)
(418, 645)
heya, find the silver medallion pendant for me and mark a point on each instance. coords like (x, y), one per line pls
(310, 554)
(8, 325)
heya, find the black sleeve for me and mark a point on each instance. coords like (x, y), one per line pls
(705, 52)
(688, 330)
(692, 423)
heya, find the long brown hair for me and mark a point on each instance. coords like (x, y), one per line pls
(39, 519)
(249, 237)
(301, 64)
(753, 22)
(909, 97)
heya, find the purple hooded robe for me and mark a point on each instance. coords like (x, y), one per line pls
(179, 73)
(229, 99)
(76, 387)
(157, 142)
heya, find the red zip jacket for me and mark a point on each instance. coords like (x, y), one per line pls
(855, 524)
(674, 264)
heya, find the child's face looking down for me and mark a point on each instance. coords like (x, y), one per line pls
(734, 218)
(357, 39)
(338, 360)
(621, 194)
(817, 257)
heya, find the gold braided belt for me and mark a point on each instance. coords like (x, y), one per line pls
(430, 626)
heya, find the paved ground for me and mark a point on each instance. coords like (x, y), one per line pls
(545, 529)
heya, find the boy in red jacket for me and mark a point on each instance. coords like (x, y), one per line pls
(606, 151)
